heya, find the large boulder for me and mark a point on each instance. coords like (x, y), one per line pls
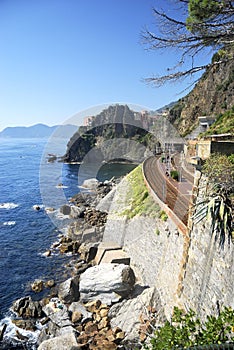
(136, 316)
(27, 308)
(64, 342)
(106, 282)
(69, 290)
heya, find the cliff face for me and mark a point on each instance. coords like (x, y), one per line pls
(212, 95)
(116, 133)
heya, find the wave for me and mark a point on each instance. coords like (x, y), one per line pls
(10, 335)
(8, 205)
(61, 186)
(9, 223)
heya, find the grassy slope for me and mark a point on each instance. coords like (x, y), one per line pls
(139, 201)
(224, 124)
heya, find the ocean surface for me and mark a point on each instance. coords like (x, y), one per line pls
(28, 179)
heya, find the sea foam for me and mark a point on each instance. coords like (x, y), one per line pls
(9, 223)
(8, 205)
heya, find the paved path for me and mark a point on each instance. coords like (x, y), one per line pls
(176, 195)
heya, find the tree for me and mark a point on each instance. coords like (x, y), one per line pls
(201, 24)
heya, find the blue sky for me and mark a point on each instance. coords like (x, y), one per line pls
(59, 57)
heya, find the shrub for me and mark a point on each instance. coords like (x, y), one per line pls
(186, 330)
(175, 175)
(163, 216)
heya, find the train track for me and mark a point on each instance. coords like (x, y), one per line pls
(169, 191)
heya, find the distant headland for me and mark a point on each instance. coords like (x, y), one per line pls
(38, 131)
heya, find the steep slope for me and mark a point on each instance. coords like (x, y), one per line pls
(211, 96)
(116, 133)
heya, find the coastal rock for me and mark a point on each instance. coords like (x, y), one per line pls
(105, 203)
(64, 342)
(65, 209)
(95, 217)
(91, 184)
(67, 244)
(77, 212)
(2, 331)
(106, 282)
(69, 290)
(37, 286)
(25, 324)
(47, 253)
(77, 308)
(131, 315)
(36, 207)
(27, 308)
(88, 251)
(50, 283)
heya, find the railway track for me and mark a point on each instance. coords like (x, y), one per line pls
(169, 191)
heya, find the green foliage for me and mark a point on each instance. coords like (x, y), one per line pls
(175, 111)
(223, 124)
(186, 330)
(175, 175)
(219, 169)
(201, 10)
(163, 216)
(157, 232)
(139, 202)
(217, 204)
(231, 158)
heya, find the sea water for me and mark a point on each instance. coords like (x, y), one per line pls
(27, 180)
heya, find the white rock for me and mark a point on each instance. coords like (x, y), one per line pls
(69, 290)
(91, 184)
(128, 313)
(64, 342)
(106, 282)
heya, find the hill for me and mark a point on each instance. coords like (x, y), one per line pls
(116, 133)
(38, 131)
(213, 95)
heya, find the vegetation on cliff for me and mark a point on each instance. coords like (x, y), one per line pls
(223, 124)
(139, 201)
(217, 204)
(213, 95)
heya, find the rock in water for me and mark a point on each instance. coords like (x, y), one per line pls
(65, 209)
(37, 286)
(2, 331)
(106, 282)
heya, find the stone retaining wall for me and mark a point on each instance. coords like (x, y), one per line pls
(157, 252)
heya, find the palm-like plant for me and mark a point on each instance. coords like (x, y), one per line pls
(217, 204)
(217, 208)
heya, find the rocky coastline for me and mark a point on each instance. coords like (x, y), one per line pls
(83, 311)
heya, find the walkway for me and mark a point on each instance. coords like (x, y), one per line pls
(176, 195)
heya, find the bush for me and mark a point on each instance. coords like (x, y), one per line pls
(163, 216)
(186, 330)
(175, 175)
